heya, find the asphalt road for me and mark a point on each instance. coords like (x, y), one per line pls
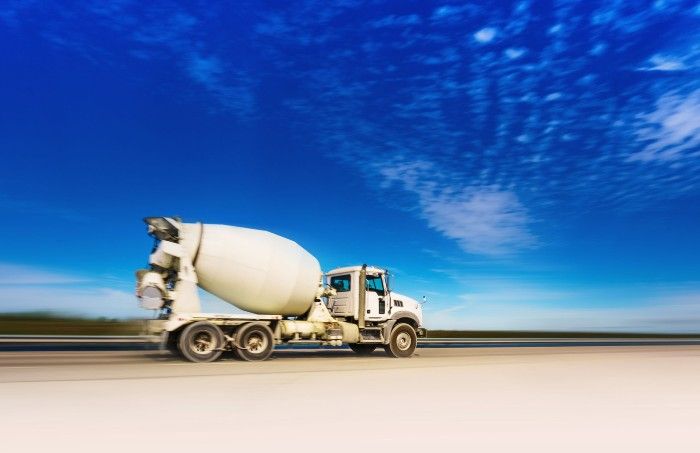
(641, 398)
(49, 343)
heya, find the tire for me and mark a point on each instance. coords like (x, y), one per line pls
(402, 342)
(254, 342)
(363, 349)
(201, 342)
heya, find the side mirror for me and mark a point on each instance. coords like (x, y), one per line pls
(424, 300)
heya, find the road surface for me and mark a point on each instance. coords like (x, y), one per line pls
(642, 398)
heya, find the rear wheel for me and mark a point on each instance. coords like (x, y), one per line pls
(402, 342)
(254, 342)
(201, 342)
(363, 349)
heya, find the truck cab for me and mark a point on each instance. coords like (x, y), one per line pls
(370, 304)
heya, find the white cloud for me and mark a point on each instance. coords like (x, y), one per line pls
(485, 35)
(555, 29)
(451, 12)
(13, 274)
(514, 53)
(28, 288)
(664, 63)
(604, 16)
(599, 49)
(672, 131)
(483, 220)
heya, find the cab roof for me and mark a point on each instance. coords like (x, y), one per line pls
(349, 269)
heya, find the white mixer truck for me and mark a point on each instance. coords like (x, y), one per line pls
(278, 282)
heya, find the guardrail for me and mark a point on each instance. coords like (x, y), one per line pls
(78, 339)
(97, 339)
(554, 339)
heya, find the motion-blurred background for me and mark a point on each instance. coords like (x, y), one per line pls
(523, 165)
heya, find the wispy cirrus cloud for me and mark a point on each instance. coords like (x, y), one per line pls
(453, 12)
(147, 32)
(210, 72)
(485, 35)
(499, 128)
(483, 220)
(511, 125)
(663, 63)
(672, 131)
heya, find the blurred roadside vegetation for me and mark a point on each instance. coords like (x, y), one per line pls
(490, 334)
(47, 323)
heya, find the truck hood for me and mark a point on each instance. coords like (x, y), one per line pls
(409, 304)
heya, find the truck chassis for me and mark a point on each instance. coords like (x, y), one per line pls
(204, 337)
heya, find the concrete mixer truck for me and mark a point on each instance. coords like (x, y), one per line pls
(279, 283)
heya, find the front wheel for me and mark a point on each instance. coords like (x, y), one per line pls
(201, 342)
(402, 342)
(254, 342)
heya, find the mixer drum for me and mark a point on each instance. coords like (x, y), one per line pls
(255, 270)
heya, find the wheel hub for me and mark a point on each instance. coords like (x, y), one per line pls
(202, 343)
(256, 344)
(403, 341)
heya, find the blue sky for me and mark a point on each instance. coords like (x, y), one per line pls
(524, 165)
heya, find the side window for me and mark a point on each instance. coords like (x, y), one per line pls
(341, 283)
(374, 283)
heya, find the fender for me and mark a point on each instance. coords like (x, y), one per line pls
(389, 325)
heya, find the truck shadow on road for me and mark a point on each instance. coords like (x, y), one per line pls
(165, 356)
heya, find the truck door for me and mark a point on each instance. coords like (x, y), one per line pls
(376, 300)
(342, 303)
